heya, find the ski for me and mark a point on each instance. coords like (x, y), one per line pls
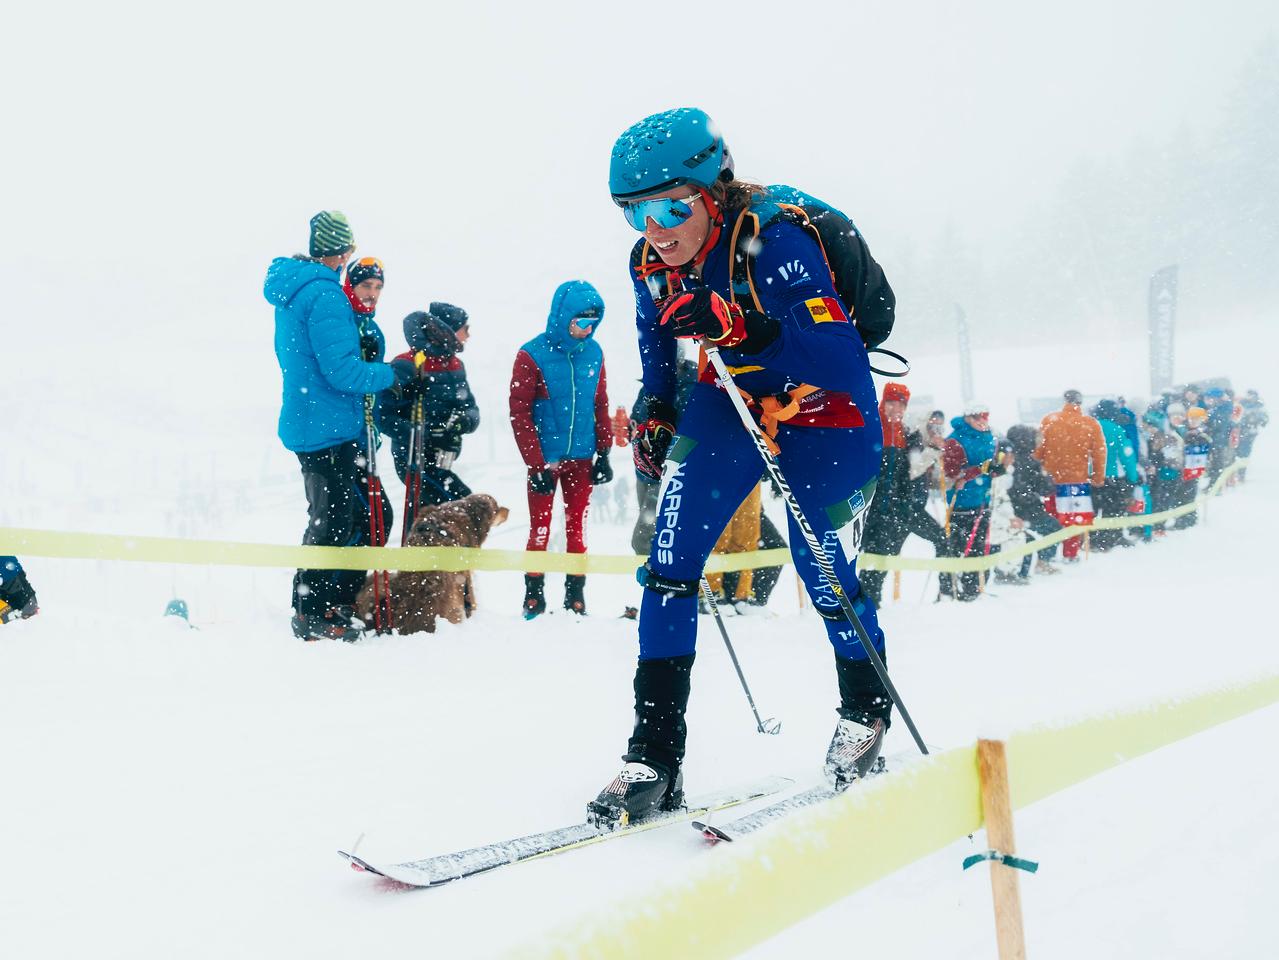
(445, 868)
(765, 816)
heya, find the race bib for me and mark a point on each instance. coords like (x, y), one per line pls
(1196, 462)
(1074, 498)
(848, 519)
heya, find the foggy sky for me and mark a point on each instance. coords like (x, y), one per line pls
(157, 158)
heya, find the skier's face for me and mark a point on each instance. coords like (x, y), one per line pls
(678, 245)
(367, 292)
(893, 410)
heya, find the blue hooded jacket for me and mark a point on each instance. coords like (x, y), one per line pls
(317, 343)
(979, 446)
(565, 418)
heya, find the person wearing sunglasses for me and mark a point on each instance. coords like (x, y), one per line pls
(559, 412)
(329, 362)
(729, 262)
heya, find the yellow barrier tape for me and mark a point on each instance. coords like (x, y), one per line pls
(110, 546)
(751, 890)
(1044, 761)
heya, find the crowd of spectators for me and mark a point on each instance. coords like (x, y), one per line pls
(974, 493)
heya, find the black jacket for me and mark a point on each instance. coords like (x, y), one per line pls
(1030, 484)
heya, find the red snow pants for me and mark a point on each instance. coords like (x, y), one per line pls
(573, 477)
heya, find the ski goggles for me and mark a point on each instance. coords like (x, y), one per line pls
(666, 212)
(587, 318)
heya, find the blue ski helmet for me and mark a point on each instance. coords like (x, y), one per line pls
(665, 150)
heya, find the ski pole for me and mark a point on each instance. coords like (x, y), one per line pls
(819, 553)
(950, 506)
(377, 524)
(417, 453)
(771, 725)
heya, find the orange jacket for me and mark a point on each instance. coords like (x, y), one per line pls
(1071, 439)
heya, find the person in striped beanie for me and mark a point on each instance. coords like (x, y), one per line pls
(330, 352)
(331, 235)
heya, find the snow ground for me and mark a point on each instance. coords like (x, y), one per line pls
(169, 791)
(172, 791)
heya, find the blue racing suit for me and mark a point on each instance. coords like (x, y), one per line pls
(830, 452)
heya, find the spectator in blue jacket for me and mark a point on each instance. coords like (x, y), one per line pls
(329, 359)
(17, 599)
(969, 461)
(559, 412)
(1114, 497)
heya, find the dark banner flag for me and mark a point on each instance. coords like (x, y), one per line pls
(965, 357)
(1163, 318)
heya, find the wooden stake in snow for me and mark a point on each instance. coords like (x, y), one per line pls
(997, 812)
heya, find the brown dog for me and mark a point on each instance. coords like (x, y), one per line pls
(417, 599)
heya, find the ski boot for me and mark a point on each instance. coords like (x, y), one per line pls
(642, 788)
(574, 598)
(864, 717)
(336, 623)
(854, 749)
(534, 597)
(651, 779)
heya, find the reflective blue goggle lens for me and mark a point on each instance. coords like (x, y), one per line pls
(664, 211)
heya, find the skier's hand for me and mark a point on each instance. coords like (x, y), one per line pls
(649, 446)
(602, 472)
(541, 481)
(702, 312)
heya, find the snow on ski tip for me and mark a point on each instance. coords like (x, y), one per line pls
(444, 868)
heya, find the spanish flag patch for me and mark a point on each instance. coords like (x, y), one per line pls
(820, 310)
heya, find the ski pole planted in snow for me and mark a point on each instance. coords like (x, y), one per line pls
(377, 524)
(417, 452)
(818, 551)
(771, 725)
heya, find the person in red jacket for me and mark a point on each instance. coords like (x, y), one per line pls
(559, 412)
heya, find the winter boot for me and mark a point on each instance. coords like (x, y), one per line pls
(17, 598)
(864, 717)
(574, 585)
(1046, 567)
(1010, 579)
(650, 779)
(534, 596)
(336, 623)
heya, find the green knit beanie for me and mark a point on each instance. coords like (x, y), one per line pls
(330, 234)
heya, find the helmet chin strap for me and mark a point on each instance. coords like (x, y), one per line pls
(712, 235)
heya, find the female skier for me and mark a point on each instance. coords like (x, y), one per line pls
(785, 287)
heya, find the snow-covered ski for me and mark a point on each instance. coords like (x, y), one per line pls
(763, 817)
(444, 868)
